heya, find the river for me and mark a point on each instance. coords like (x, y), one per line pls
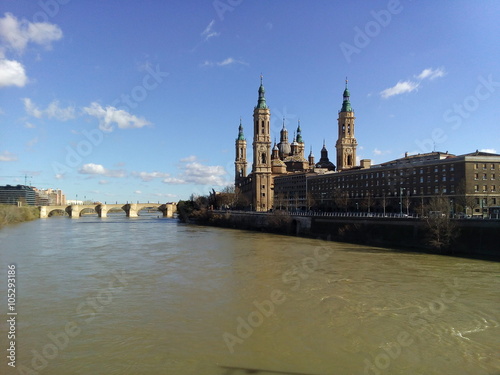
(152, 296)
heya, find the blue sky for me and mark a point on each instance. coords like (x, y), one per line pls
(141, 100)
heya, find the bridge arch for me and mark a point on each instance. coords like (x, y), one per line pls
(57, 212)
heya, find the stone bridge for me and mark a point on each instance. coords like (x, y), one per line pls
(131, 209)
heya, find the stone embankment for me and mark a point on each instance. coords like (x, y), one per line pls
(471, 236)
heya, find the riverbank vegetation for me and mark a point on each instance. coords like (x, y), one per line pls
(10, 214)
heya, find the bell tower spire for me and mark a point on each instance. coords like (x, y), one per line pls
(240, 163)
(346, 142)
(261, 167)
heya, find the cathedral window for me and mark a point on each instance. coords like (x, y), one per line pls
(263, 158)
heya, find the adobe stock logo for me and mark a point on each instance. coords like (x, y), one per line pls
(50, 9)
(223, 6)
(372, 29)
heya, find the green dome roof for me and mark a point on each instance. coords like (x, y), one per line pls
(346, 104)
(241, 137)
(262, 99)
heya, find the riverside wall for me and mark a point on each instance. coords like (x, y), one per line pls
(474, 236)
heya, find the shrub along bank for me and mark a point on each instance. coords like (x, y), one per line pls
(12, 214)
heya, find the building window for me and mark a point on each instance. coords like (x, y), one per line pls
(492, 167)
(493, 188)
(421, 170)
(452, 167)
(494, 201)
(436, 169)
(476, 176)
(476, 188)
(452, 188)
(443, 178)
(485, 188)
(484, 166)
(477, 201)
(485, 177)
(492, 176)
(476, 166)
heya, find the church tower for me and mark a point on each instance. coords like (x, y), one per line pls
(261, 168)
(346, 143)
(240, 163)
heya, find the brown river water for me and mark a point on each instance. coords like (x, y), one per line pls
(151, 296)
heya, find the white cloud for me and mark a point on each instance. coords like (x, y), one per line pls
(12, 73)
(99, 170)
(174, 181)
(208, 32)
(193, 172)
(8, 156)
(137, 192)
(17, 34)
(490, 150)
(380, 152)
(111, 115)
(103, 182)
(188, 159)
(199, 174)
(148, 176)
(400, 88)
(59, 176)
(403, 87)
(29, 125)
(228, 61)
(52, 111)
(431, 73)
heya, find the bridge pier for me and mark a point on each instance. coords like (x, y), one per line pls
(102, 210)
(74, 211)
(167, 210)
(131, 209)
(43, 212)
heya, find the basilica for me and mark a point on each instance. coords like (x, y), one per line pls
(286, 158)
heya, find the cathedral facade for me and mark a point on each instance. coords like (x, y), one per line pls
(285, 158)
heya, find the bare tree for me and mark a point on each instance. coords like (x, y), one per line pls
(279, 200)
(441, 229)
(463, 199)
(310, 201)
(341, 199)
(368, 202)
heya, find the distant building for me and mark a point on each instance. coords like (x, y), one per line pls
(50, 197)
(282, 178)
(20, 195)
(74, 201)
(406, 184)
